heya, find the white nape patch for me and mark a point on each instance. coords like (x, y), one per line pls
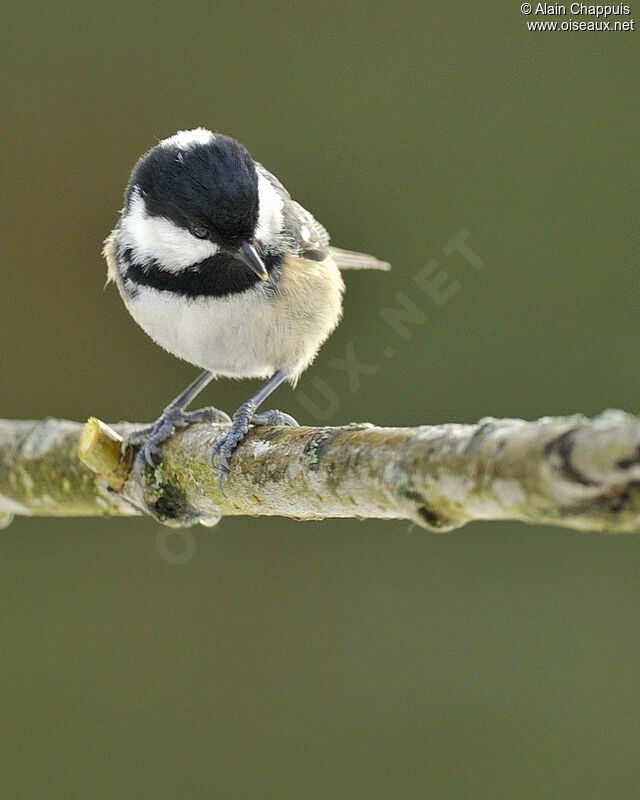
(172, 247)
(269, 211)
(185, 139)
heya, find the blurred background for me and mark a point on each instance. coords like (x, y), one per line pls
(337, 659)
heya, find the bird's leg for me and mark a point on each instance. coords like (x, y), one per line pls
(174, 416)
(245, 416)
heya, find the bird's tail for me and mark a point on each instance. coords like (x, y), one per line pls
(348, 259)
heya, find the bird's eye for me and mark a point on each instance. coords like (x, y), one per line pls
(199, 231)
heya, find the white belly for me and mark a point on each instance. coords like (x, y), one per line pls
(247, 335)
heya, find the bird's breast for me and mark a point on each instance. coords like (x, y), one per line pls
(270, 326)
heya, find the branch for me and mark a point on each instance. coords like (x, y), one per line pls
(572, 472)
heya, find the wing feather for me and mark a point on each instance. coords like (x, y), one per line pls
(348, 259)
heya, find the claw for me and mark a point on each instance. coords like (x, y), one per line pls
(148, 455)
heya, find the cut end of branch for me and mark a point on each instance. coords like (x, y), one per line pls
(99, 448)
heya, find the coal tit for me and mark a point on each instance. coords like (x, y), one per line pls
(217, 263)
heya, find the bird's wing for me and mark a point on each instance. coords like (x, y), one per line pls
(314, 236)
(308, 238)
(302, 234)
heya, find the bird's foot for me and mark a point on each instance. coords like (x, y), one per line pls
(242, 419)
(171, 419)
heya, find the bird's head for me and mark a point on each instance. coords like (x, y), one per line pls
(194, 195)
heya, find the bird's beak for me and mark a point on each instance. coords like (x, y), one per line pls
(248, 255)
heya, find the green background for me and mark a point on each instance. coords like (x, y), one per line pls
(339, 659)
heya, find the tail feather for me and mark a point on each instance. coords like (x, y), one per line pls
(348, 259)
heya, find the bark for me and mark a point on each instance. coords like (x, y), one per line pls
(571, 472)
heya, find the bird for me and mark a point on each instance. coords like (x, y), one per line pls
(222, 268)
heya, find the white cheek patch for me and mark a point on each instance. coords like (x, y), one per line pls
(185, 139)
(172, 247)
(269, 211)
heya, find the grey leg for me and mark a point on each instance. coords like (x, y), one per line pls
(173, 416)
(245, 416)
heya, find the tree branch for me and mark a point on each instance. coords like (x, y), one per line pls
(571, 471)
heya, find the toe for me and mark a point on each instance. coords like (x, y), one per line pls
(223, 471)
(278, 418)
(217, 416)
(139, 465)
(135, 437)
(208, 414)
(221, 477)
